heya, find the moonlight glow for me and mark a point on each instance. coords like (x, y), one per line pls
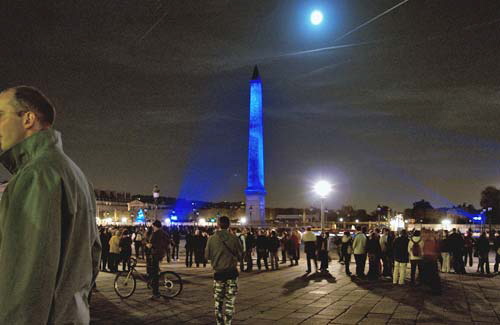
(316, 17)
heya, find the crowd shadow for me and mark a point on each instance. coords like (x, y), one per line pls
(304, 280)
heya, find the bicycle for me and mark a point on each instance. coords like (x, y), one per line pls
(170, 283)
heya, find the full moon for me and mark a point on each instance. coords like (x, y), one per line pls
(316, 17)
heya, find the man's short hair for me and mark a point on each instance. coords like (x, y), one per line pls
(157, 223)
(33, 100)
(224, 222)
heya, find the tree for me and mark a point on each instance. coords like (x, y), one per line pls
(490, 198)
(423, 210)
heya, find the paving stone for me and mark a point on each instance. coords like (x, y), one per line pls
(384, 307)
(347, 318)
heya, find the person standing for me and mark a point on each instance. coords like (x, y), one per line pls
(496, 245)
(359, 249)
(176, 239)
(105, 237)
(262, 247)
(374, 251)
(309, 239)
(274, 244)
(457, 246)
(199, 247)
(347, 251)
(125, 250)
(224, 251)
(469, 245)
(157, 246)
(114, 251)
(322, 245)
(445, 253)
(242, 237)
(49, 241)
(249, 245)
(415, 249)
(283, 241)
(401, 258)
(430, 272)
(291, 248)
(385, 249)
(483, 249)
(190, 242)
(139, 249)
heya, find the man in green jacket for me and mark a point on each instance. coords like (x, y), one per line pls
(49, 243)
(224, 250)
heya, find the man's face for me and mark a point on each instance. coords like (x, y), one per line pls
(12, 129)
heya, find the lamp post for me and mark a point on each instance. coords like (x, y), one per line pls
(156, 195)
(322, 188)
(379, 212)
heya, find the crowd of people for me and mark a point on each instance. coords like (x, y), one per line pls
(388, 253)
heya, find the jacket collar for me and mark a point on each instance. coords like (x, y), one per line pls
(20, 154)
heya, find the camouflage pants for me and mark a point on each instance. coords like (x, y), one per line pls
(224, 296)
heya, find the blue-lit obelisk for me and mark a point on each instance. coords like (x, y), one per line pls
(256, 192)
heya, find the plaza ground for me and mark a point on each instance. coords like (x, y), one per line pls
(290, 296)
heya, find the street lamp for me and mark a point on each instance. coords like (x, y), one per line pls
(156, 195)
(322, 188)
(379, 212)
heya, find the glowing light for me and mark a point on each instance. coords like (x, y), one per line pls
(255, 140)
(108, 220)
(322, 188)
(316, 17)
(124, 220)
(202, 222)
(397, 222)
(167, 222)
(140, 216)
(446, 223)
(357, 220)
(173, 218)
(341, 219)
(243, 220)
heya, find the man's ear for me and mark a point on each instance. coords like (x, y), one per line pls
(30, 120)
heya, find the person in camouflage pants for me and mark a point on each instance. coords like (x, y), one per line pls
(224, 250)
(224, 296)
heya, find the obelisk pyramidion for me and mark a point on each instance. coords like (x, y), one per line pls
(256, 192)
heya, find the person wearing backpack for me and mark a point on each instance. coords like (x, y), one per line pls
(415, 249)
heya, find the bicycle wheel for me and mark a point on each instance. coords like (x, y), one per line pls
(124, 284)
(170, 284)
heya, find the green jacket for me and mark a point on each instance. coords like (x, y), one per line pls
(221, 257)
(49, 243)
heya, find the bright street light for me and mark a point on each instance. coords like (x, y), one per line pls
(243, 220)
(322, 188)
(316, 17)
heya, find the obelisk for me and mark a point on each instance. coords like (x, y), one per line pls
(256, 192)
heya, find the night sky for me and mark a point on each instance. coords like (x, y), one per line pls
(156, 92)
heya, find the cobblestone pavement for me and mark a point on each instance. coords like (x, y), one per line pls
(289, 296)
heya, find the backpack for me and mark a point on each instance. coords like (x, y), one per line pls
(138, 237)
(416, 250)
